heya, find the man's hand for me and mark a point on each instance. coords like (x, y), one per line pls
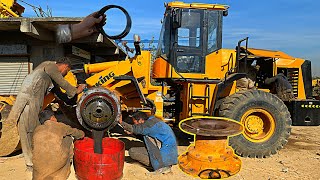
(87, 26)
(80, 88)
(128, 132)
(120, 122)
(82, 135)
(79, 135)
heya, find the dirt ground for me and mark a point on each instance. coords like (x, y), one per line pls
(299, 160)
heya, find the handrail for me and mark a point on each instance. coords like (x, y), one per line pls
(238, 54)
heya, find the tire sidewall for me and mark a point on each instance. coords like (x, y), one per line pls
(279, 122)
(269, 103)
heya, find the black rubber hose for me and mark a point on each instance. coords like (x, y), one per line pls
(100, 25)
(216, 171)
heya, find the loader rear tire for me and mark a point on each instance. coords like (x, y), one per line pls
(9, 136)
(266, 120)
(9, 140)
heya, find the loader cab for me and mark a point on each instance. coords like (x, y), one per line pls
(189, 33)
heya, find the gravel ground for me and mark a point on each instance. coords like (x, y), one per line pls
(299, 160)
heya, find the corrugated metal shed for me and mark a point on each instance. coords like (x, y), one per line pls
(12, 74)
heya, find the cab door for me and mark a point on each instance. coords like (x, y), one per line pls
(189, 55)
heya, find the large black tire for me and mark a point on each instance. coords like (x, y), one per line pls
(251, 108)
(9, 136)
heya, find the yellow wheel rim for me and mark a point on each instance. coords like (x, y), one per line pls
(259, 125)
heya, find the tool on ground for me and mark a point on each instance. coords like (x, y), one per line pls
(210, 157)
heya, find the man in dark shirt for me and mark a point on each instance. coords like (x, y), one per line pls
(316, 90)
(281, 86)
(161, 146)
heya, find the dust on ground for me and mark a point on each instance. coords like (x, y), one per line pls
(300, 159)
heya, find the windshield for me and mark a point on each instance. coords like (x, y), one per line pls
(214, 31)
(190, 34)
(164, 40)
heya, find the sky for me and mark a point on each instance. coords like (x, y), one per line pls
(291, 26)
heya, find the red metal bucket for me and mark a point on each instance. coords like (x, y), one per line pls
(91, 166)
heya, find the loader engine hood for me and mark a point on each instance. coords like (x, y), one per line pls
(98, 109)
(268, 53)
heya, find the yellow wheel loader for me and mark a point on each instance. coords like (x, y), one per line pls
(203, 77)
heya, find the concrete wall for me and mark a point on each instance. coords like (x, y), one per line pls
(39, 50)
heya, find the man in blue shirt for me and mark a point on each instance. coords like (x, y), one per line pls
(161, 145)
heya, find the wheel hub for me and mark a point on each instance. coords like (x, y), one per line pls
(259, 125)
(210, 157)
(98, 109)
(254, 124)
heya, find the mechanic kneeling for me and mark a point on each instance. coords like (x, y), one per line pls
(161, 145)
(52, 150)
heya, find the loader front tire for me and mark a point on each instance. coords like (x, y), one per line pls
(266, 121)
